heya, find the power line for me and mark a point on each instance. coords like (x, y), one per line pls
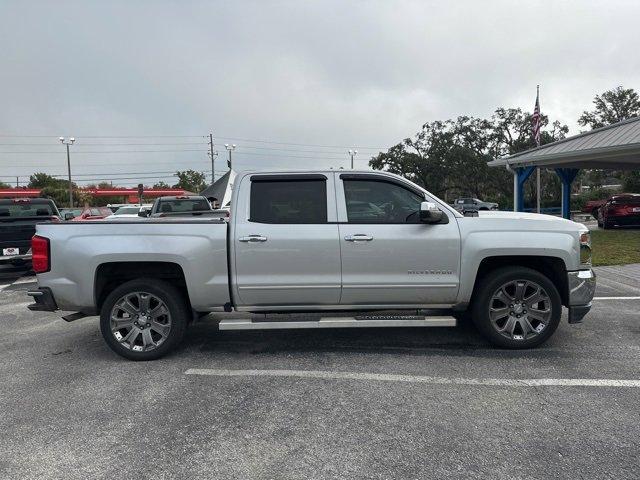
(75, 152)
(250, 140)
(102, 144)
(298, 144)
(103, 136)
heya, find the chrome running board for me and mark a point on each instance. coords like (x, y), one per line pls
(364, 321)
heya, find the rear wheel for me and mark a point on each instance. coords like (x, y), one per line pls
(517, 307)
(144, 319)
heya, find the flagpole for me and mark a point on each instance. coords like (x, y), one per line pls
(538, 168)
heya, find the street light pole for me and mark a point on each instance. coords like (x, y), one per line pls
(230, 148)
(68, 142)
(352, 153)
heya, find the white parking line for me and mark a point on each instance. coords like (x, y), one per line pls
(616, 298)
(385, 377)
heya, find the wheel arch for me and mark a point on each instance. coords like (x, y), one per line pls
(553, 268)
(110, 275)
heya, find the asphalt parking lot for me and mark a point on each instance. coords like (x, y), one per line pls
(392, 403)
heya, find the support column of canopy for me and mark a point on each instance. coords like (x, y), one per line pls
(520, 175)
(567, 176)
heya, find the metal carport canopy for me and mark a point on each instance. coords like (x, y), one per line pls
(614, 147)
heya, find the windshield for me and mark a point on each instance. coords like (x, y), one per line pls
(186, 205)
(127, 210)
(26, 209)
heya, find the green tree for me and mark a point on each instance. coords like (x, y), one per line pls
(4, 185)
(55, 188)
(90, 200)
(631, 181)
(610, 107)
(191, 181)
(161, 184)
(449, 158)
(43, 180)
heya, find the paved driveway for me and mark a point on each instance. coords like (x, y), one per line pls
(392, 403)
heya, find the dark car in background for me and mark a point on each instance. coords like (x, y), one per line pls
(184, 205)
(18, 219)
(621, 210)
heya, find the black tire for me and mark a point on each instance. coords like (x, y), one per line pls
(175, 303)
(483, 298)
(594, 213)
(607, 225)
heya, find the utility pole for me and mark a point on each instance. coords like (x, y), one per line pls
(352, 153)
(538, 189)
(213, 154)
(230, 148)
(17, 182)
(68, 142)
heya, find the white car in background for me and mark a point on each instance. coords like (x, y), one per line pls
(128, 211)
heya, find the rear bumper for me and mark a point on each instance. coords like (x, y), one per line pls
(15, 258)
(582, 288)
(625, 220)
(44, 301)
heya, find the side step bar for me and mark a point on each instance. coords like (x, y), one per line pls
(367, 321)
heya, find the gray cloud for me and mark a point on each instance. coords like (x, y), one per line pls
(328, 73)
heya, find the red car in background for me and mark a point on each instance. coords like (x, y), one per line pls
(620, 210)
(93, 213)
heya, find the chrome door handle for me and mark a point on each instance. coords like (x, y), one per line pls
(358, 237)
(253, 238)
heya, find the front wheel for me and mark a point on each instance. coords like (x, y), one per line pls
(517, 307)
(144, 319)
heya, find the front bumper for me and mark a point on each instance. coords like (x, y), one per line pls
(582, 287)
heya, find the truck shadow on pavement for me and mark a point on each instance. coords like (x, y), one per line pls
(205, 337)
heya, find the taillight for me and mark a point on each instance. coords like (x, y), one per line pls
(40, 258)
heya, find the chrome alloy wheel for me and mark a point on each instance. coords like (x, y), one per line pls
(140, 321)
(520, 310)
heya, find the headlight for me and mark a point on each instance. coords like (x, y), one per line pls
(585, 248)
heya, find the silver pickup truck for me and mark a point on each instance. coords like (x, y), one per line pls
(318, 249)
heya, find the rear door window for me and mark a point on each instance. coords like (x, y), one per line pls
(26, 209)
(289, 201)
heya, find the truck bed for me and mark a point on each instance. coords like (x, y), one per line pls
(79, 249)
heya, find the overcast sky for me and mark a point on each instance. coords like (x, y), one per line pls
(330, 73)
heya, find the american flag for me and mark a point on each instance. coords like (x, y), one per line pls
(536, 119)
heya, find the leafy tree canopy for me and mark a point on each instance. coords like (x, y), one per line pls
(610, 107)
(449, 158)
(191, 180)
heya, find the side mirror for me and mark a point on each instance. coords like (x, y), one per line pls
(430, 213)
(143, 213)
(69, 216)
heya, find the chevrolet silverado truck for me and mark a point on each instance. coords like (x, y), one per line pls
(18, 219)
(325, 249)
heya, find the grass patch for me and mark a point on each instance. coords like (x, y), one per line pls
(615, 247)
